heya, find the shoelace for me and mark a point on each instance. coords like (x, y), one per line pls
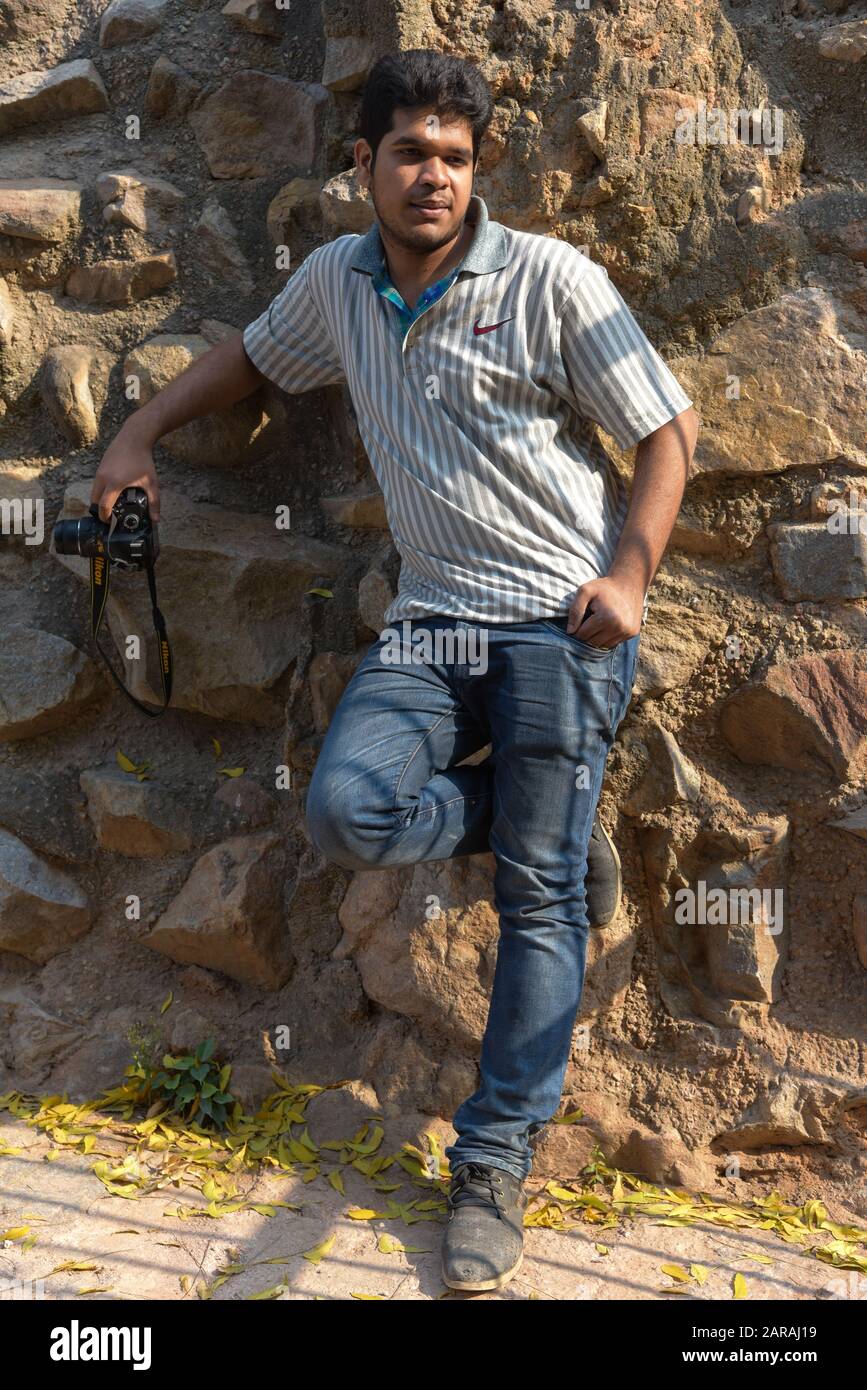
(474, 1186)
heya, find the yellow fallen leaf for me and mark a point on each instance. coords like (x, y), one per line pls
(699, 1273)
(167, 1001)
(319, 1251)
(739, 1284)
(14, 1233)
(362, 1213)
(676, 1272)
(326, 593)
(218, 747)
(125, 762)
(233, 771)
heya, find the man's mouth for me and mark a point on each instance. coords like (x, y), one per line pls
(432, 210)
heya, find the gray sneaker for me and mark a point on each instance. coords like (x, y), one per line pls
(483, 1245)
(603, 883)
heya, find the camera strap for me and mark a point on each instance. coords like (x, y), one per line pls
(99, 577)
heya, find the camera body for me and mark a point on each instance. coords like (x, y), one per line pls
(134, 541)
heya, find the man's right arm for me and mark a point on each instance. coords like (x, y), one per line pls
(213, 382)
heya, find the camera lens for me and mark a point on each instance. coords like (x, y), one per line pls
(76, 537)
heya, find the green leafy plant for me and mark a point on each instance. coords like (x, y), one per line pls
(193, 1085)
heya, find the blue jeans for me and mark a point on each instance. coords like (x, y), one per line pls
(385, 791)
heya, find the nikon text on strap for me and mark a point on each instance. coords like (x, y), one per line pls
(99, 578)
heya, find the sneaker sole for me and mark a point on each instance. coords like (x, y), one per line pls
(608, 920)
(482, 1285)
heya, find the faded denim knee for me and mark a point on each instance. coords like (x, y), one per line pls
(332, 823)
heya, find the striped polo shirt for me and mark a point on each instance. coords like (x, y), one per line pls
(481, 419)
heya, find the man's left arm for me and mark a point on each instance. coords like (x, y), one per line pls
(612, 374)
(662, 462)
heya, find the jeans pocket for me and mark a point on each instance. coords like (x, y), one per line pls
(587, 648)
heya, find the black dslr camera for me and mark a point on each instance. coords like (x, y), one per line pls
(128, 542)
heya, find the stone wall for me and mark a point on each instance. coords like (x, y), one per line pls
(162, 169)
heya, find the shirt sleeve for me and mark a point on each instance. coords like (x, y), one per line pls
(290, 342)
(607, 367)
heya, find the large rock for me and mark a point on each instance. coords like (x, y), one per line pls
(235, 567)
(42, 911)
(328, 675)
(170, 90)
(257, 17)
(593, 125)
(807, 715)
(39, 209)
(35, 1038)
(674, 642)
(66, 382)
(138, 200)
(801, 366)
(667, 776)
(71, 89)
(745, 949)
(346, 206)
(45, 808)
(45, 682)
(229, 915)
(294, 209)
(430, 960)
(817, 561)
(790, 1113)
(717, 894)
(142, 820)
(854, 821)
(348, 60)
(847, 43)
(126, 21)
(219, 250)
(219, 440)
(122, 282)
(257, 124)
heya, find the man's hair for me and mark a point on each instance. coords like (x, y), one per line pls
(421, 77)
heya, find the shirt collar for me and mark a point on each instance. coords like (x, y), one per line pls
(488, 251)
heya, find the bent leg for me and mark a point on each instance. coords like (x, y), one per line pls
(385, 790)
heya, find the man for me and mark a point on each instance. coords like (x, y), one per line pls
(480, 361)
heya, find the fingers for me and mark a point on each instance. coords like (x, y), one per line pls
(106, 494)
(107, 500)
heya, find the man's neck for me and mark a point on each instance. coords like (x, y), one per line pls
(412, 272)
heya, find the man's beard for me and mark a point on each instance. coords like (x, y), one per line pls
(410, 240)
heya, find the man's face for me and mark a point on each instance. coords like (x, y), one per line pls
(420, 160)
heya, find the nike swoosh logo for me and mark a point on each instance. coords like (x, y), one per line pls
(489, 327)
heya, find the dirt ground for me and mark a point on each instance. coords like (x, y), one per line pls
(139, 1248)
